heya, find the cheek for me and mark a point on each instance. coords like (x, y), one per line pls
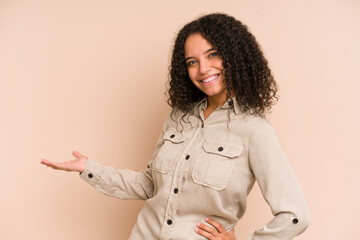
(192, 78)
(217, 63)
(192, 74)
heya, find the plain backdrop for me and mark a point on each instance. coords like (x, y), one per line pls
(90, 76)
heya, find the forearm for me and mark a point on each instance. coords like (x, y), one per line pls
(124, 184)
(279, 186)
(284, 226)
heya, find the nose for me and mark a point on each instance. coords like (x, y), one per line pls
(205, 66)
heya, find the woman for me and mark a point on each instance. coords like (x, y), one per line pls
(214, 145)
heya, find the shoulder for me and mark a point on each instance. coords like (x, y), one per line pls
(247, 125)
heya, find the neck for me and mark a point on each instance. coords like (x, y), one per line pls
(218, 100)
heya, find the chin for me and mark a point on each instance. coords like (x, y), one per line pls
(215, 93)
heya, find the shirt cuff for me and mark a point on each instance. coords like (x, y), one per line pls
(88, 175)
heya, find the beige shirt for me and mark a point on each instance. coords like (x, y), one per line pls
(206, 169)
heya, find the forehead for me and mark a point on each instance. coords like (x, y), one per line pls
(196, 45)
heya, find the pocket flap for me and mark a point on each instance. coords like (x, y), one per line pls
(174, 136)
(222, 149)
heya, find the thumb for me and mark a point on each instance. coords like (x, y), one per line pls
(76, 154)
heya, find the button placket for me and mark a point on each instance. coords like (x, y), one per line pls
(171, 208)
(180, 170)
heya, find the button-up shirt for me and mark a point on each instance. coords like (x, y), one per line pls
(206, 168)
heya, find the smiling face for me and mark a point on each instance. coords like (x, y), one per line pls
(205, 67)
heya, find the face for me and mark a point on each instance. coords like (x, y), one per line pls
(204, 66)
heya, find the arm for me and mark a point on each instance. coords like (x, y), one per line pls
(279, 187)
(113, 182)
(124, 184)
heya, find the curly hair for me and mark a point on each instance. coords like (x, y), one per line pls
(246, 70)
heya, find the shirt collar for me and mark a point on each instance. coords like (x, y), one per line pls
(203, 104)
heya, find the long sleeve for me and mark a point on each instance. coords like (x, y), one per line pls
(124, 184)
(279, 187)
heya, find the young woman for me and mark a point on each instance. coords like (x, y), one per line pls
(214, 145)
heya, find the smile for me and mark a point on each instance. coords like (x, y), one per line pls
(210, 79)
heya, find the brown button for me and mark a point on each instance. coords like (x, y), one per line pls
(220, 149)
(187, 157)
(295, 221)
(90, 175)
(169, 222)
(172, 135)
(176, 190)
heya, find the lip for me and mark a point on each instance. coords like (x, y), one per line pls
(210, 82)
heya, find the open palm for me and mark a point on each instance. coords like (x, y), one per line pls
(76, 165)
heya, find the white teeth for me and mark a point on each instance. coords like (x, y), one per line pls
(210, 79)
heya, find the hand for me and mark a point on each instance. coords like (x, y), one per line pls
(217, 232)
(76, 165)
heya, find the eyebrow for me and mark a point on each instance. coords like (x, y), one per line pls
(209, 50)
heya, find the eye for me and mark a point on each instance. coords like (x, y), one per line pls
(190, 63)
(213, 54)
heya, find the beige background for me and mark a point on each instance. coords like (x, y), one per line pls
(90, 76)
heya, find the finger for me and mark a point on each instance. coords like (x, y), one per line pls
(44, 161)
(57, 166)
(76, 154)
(47, 163)
(208, 229)
(205, 234)
(216, 225)
(232, 234)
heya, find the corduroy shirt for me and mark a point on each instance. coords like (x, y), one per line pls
(206, 168)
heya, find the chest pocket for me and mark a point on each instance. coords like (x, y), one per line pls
(167, 155)
(215, 164)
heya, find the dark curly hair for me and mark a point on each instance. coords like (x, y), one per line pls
(245, 67)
